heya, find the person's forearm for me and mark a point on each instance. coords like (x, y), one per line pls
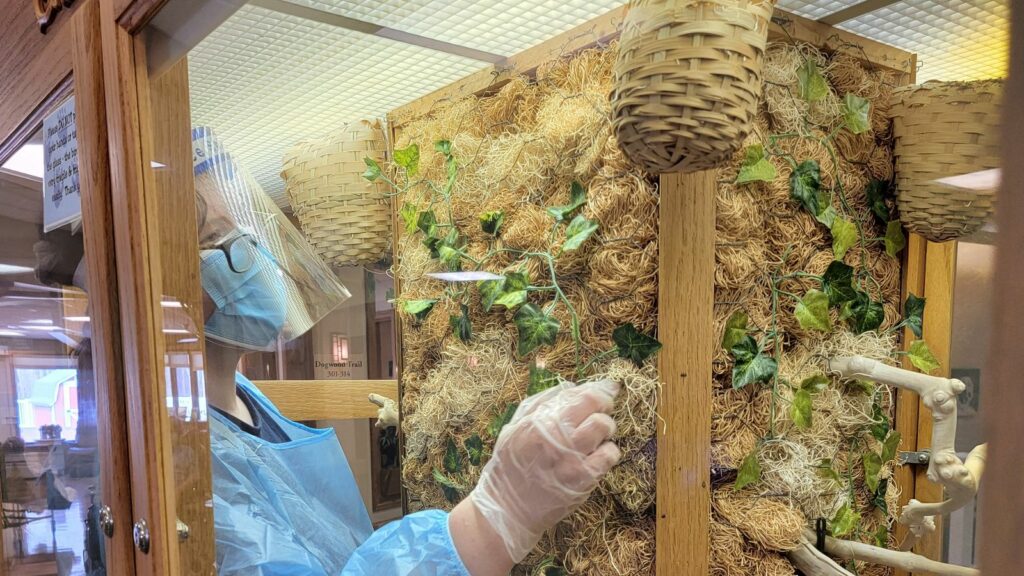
(479, 546)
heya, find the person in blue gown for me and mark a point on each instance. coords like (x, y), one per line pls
(285, 500)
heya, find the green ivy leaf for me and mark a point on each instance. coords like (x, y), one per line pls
(536, 328)
(913, 313)
(444, 147)
(857, 113)
(815, 384)
(864, 314)
(450, 257)
(461, 325)
(512, 299)
(895, 241)
(449, 487)
(844, 235)
(475, 449)
(811, 83)
(749, 472)
(825, 470)
(800, 410)
(490, 222)
(837, 282)
(501, 419)
(452, 458)
(418, 309)
(872, 468)
(750, 365)
(540, 380)
(633, 344)
(409, 216)
(922, 358)
(805, 186)
(879, 422)
(891, 446)
(372, 172)
(878, 498)
(427, 222)
(882, 533)
(548, 567)
(434, 246)
(577, 232)
(876, 193)
(493, 290)
(844, 522)
(408, 158)
(812, 311)
(756, 168)
(577, 198)
(735, 329)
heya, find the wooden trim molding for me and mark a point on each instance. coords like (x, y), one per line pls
(303, 400)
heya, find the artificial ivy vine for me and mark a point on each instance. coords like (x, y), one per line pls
(844, 288)
(532, 302)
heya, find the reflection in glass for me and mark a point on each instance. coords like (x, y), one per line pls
(49, 457)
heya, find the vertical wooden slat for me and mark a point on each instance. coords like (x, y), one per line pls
(1002, 500)
(98, 236)
(940, 274)
(171, 129)
(686, 329)
(907, 402)
(138, 269)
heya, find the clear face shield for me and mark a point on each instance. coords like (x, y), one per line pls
(263, 277)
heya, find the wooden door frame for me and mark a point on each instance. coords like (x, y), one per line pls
(39, 72)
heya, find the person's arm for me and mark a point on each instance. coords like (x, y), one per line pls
(546, 462)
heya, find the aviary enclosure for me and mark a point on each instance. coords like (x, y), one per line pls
(764, 429)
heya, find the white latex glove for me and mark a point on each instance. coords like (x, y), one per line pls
(547, 461)
(388, 413)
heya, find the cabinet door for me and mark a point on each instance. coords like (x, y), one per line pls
(63, 440)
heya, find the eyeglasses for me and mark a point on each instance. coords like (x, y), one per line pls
(238, 250)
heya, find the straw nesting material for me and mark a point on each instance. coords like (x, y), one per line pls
(944, 129)
(346, 218)
(688, 80)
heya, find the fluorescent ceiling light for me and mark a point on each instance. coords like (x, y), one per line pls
(170, 304)
(176, 331)
(27, 160)
(188, 340)
(156, 165)
(64, 339)
(76, 318)
(40, 328)
(981, 180)
(11, 333)
(13, 269)
(39, 321)
(472, 276)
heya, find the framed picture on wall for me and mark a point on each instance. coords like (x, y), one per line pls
(968, 402)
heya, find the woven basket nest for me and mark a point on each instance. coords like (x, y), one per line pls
(945, 129)
(688, 80)
(346, 218)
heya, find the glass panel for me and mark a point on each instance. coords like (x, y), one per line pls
(49, 453)
(972, 313)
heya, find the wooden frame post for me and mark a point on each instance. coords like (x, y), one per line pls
(686, 293)
(1002, 503)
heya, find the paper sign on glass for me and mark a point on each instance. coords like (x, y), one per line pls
(62, 202)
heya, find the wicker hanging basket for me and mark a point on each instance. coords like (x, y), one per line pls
(945, 129)
(345, 218)
(688, 80)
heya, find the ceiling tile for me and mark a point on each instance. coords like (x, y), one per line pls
(815, 9)
(504, 27)
(953, 39)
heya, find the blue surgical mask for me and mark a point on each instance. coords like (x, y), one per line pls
(248, 293)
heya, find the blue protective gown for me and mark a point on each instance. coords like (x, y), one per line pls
(293, 509)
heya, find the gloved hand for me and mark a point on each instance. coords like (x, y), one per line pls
(546, 462)
(388, 413)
